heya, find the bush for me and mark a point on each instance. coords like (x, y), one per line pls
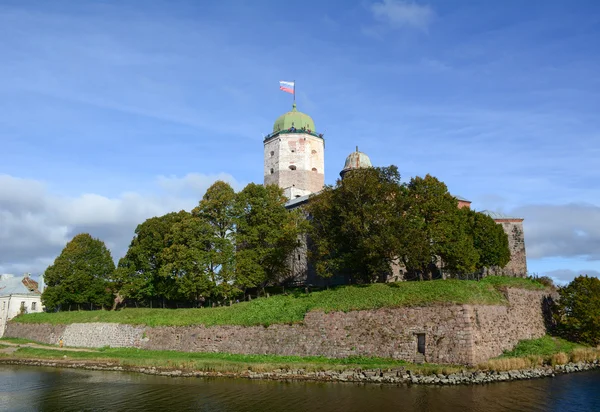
(577, 313)
(544, 280)
(559, 359)
(585, 355)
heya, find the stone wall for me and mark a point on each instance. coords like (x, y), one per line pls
(517, 266)
(497, 328)
(459, 334)
(302, 152)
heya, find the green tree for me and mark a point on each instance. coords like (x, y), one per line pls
(217, 209)
(432, 231)
(266, 235)
(577, 313)
(138, 273)
(354, 225)
(187, 261)
(489, 239)
(80, 275)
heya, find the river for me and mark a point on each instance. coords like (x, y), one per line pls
(25, 388)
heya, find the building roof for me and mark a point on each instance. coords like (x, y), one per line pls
(499, 215)
(295, 119)
(292, 203)
(356, 160)
(462, 199)
(17, 285)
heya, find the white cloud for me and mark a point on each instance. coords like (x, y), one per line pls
(569, 230)
(196, 182)
(564, 276)
(401, 14)
(35, 224)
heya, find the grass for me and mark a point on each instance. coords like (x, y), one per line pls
(19, 341)
(547, 350)
(545, 346)
(229, 363)
(292, 308)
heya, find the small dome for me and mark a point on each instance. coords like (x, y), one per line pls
(356, 160)
(294, 118)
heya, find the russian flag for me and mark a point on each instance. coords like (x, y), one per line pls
(287, 87)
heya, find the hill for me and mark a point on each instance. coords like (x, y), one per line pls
(292, 307)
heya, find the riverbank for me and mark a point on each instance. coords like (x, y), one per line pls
(380, 376)
(544, 357)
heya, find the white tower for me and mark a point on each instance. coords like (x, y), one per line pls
(295, 155)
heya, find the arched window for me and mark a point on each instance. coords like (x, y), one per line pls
(272, 153)
(272, 171)
(292, 167)
(314, 151)
(314, 169)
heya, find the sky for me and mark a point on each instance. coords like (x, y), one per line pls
(112, 112)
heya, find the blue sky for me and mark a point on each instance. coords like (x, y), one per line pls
(114, 111)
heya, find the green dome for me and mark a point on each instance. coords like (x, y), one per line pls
(294, 118)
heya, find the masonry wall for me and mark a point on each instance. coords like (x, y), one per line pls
(302, 152)
(460, 334)
(497, 328)
(517, 266)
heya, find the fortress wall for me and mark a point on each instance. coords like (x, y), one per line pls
(497, 328)
(458, 334)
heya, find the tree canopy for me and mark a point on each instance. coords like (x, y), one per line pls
(577, 313)
(369, 221)
(228, 243)
(138, 273)
(266, 235)
(354, 225)
(365, 227)
(80, 275)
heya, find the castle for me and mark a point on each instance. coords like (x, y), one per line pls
(294, 159)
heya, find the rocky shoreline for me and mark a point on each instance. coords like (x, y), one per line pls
(381, 376)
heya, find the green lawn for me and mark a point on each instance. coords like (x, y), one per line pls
(545, 346)
(293, 307)
(231, 363)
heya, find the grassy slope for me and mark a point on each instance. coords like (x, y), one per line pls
(223, 362)
(547, 350)
(527, 354)
(545, 346)
(292, 308)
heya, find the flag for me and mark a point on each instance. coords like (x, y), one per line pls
(287, 86)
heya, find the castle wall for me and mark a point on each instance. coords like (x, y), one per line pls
(457, 334)
(517, 266)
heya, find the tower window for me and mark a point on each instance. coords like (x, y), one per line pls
(293, 167)
(314, 151)
(293, 151)
(314, 169)
(272, 153)
(272, 171)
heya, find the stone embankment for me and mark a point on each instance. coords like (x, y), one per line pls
(388, 376)
(452, 334)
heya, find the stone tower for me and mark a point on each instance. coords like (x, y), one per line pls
(295, 155)
(513, 227)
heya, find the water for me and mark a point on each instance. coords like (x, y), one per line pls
(48, 389)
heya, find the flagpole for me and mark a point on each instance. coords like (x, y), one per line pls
(294, 91)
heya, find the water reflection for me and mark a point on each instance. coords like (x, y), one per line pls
(24, 389)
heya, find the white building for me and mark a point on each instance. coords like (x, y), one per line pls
(18, 295)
